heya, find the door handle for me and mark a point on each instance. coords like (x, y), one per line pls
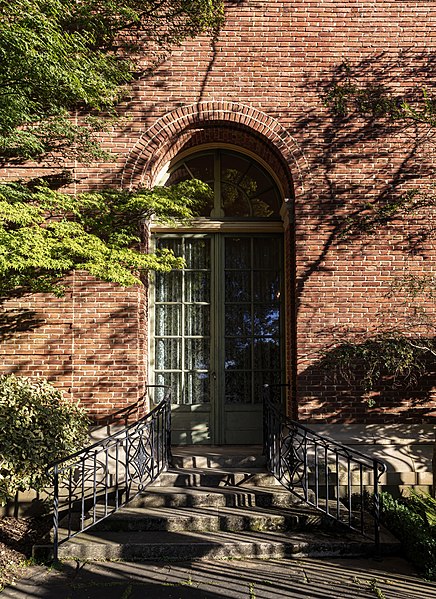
(213, 375)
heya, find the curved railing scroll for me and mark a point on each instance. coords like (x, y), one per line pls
(97, 481)
(337, 480)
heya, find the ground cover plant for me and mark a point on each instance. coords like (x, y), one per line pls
(37, 426)
(412, 520)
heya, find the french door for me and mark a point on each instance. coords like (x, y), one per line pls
(217, 334)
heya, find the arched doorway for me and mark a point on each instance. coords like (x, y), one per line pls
(218, 323)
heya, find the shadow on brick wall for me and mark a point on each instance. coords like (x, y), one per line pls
(363, 134)
(16, 320)
(366, 162)
(340, 394)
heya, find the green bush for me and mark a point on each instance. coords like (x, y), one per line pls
(37, 426)
(412, 521)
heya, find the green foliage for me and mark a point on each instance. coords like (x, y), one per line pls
(425, 505)
(55, 140)
(38, 426)
(403, 360)
(347, 96)
(58, 55)
(45, 234)
(373, 585)
(412, 520)
(370, 216)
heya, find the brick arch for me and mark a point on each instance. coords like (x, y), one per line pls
(164, 138)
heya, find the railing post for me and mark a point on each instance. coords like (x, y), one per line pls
(169, 455)
(56, 513)
(265, 422)
(153, 448)
(127, 467)
(377, 548)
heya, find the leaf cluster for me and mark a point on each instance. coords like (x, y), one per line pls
(38, 426)
(390, 355)
(412, 520)
(57, 56)
(46, 234)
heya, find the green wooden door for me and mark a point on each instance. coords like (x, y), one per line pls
(217, 334)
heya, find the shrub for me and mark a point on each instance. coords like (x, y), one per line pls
(37, 426)
(412, 519)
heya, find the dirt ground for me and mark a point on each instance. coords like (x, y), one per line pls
(17, 535)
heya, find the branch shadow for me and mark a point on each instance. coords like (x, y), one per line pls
(389, 400)
(351, 138)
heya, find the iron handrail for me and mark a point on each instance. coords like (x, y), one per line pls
(326, 438)
(110, 437)
(324, 473)
(103, 477)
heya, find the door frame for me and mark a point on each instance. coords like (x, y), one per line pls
(200, 228)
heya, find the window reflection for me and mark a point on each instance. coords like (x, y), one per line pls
(252, 316)
(243, 188)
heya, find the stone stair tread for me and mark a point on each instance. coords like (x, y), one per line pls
(217, 471)
(194, 518)
(169, 512)
(180, 546)
(219, 537)
(215, 477)
(202, 463)
(165, 537)
(207, 518)
(217, 506)
(217, 450)
(217, 490)
(241, 495)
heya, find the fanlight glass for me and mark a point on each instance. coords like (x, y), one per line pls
(243, 188)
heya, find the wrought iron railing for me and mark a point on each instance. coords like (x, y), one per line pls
(337, 480)
(95, 482)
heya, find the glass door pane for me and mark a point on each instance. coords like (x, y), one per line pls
(218, 328)
(252, 316)
(182, 322)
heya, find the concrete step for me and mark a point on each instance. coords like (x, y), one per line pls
(218, 457)
(214, 504)
(204, 519)
(183, 546)
(215, 477)
(239, 496)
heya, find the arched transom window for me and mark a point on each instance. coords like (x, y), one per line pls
(242, 187)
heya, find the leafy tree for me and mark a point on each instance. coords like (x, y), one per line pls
(57, 56)
(45, 234)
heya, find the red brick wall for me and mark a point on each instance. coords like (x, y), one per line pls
(261, 85)
(91, 342)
